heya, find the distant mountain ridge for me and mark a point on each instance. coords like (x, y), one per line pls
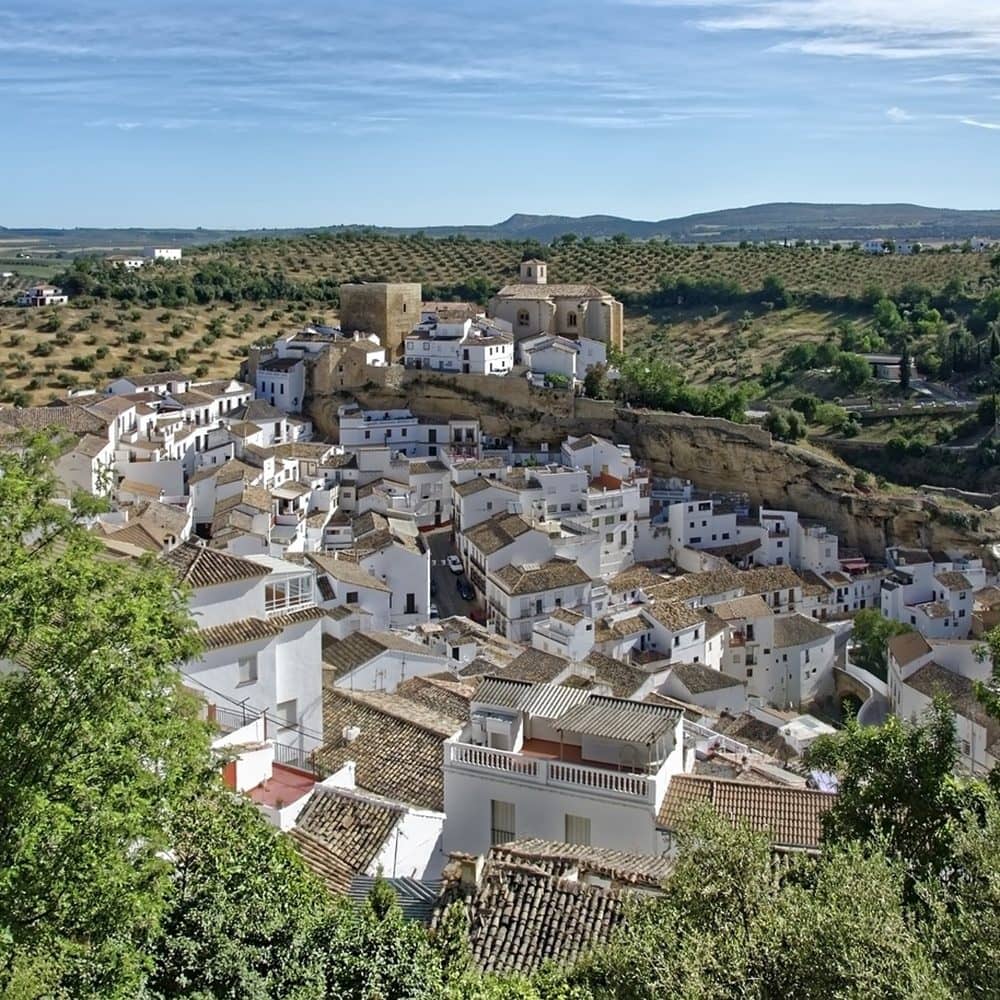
(772, 221)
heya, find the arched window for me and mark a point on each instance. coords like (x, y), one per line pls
(523, 319)
(571, 319)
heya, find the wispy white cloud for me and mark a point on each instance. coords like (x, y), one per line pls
(883, 29)
(977, 123)
(895, 114)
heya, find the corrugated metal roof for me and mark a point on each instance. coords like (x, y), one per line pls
(416, 898)
(549, 701)
(507, 694)
(619, 719)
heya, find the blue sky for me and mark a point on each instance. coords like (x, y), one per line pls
(424, 112)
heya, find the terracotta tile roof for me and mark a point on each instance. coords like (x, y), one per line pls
(473, 486)
(239, 632)
(813, 585)
(400, 750)
(567, 616)
(699, 678)
(792, 816)
(674, 615)
(953, 580)
(449, 697)
(933, 679)
(497, 532)
(987, 597)
(934, 609)
(523, 912)
(134, 534)
(609, 629)
(36, 418)
(619, 866)
(534, 578)
(742, 608)
(765, 579)
(557, 291)
(257, 410)
(343, 656)
(347, 572)
(349, 827)
(623, 679)
(634, 578)
(335, 873)
(157, 378)
(535, 666)
(798, 630)
(908, 647)
(199, 566)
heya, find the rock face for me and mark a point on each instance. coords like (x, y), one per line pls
(715, 454)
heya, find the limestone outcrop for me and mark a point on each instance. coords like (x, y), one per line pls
(716, 454)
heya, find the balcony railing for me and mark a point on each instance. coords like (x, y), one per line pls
(695, 733)
(554, 774)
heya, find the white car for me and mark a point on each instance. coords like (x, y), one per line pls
(434, 613)
(454, 564)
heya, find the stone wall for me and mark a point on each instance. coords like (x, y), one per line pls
(388, 309)
(715, 454)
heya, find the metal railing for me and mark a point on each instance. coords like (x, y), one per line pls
(230, 719)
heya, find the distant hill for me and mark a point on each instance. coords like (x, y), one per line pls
(774, 221)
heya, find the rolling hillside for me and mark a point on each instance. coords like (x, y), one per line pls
(778, 220)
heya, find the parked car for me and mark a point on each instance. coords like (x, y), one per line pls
(455, 564)
(434, 613)
(434, 588)
(465, 589)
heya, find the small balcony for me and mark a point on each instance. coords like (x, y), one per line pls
(538, 765)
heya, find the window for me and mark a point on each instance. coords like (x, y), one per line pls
(411, 604)
(248, 670)
(288, 713)
(501, 822)
(577, 830)
(427, 345)
(571, 321)
(351, 597)
(538, 606)
(523, 319)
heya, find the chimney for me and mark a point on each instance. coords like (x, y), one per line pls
(470, 870)
(351, 733)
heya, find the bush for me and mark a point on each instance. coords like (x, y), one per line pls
(786, 425)
(807, 405)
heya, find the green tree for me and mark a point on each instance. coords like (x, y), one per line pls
(852, 371)
(898, 792)
(595, 382)
(871, 633)
(244, 919)
(730, 925)
(100, 744)
(905, 366)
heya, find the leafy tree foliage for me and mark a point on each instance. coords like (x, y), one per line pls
(871, 632)
(899, 792)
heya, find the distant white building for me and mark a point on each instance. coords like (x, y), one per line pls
(470, 346)
(569, 357)
(163, 253)
(42, 295)
(873, 246)
(128, 262)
